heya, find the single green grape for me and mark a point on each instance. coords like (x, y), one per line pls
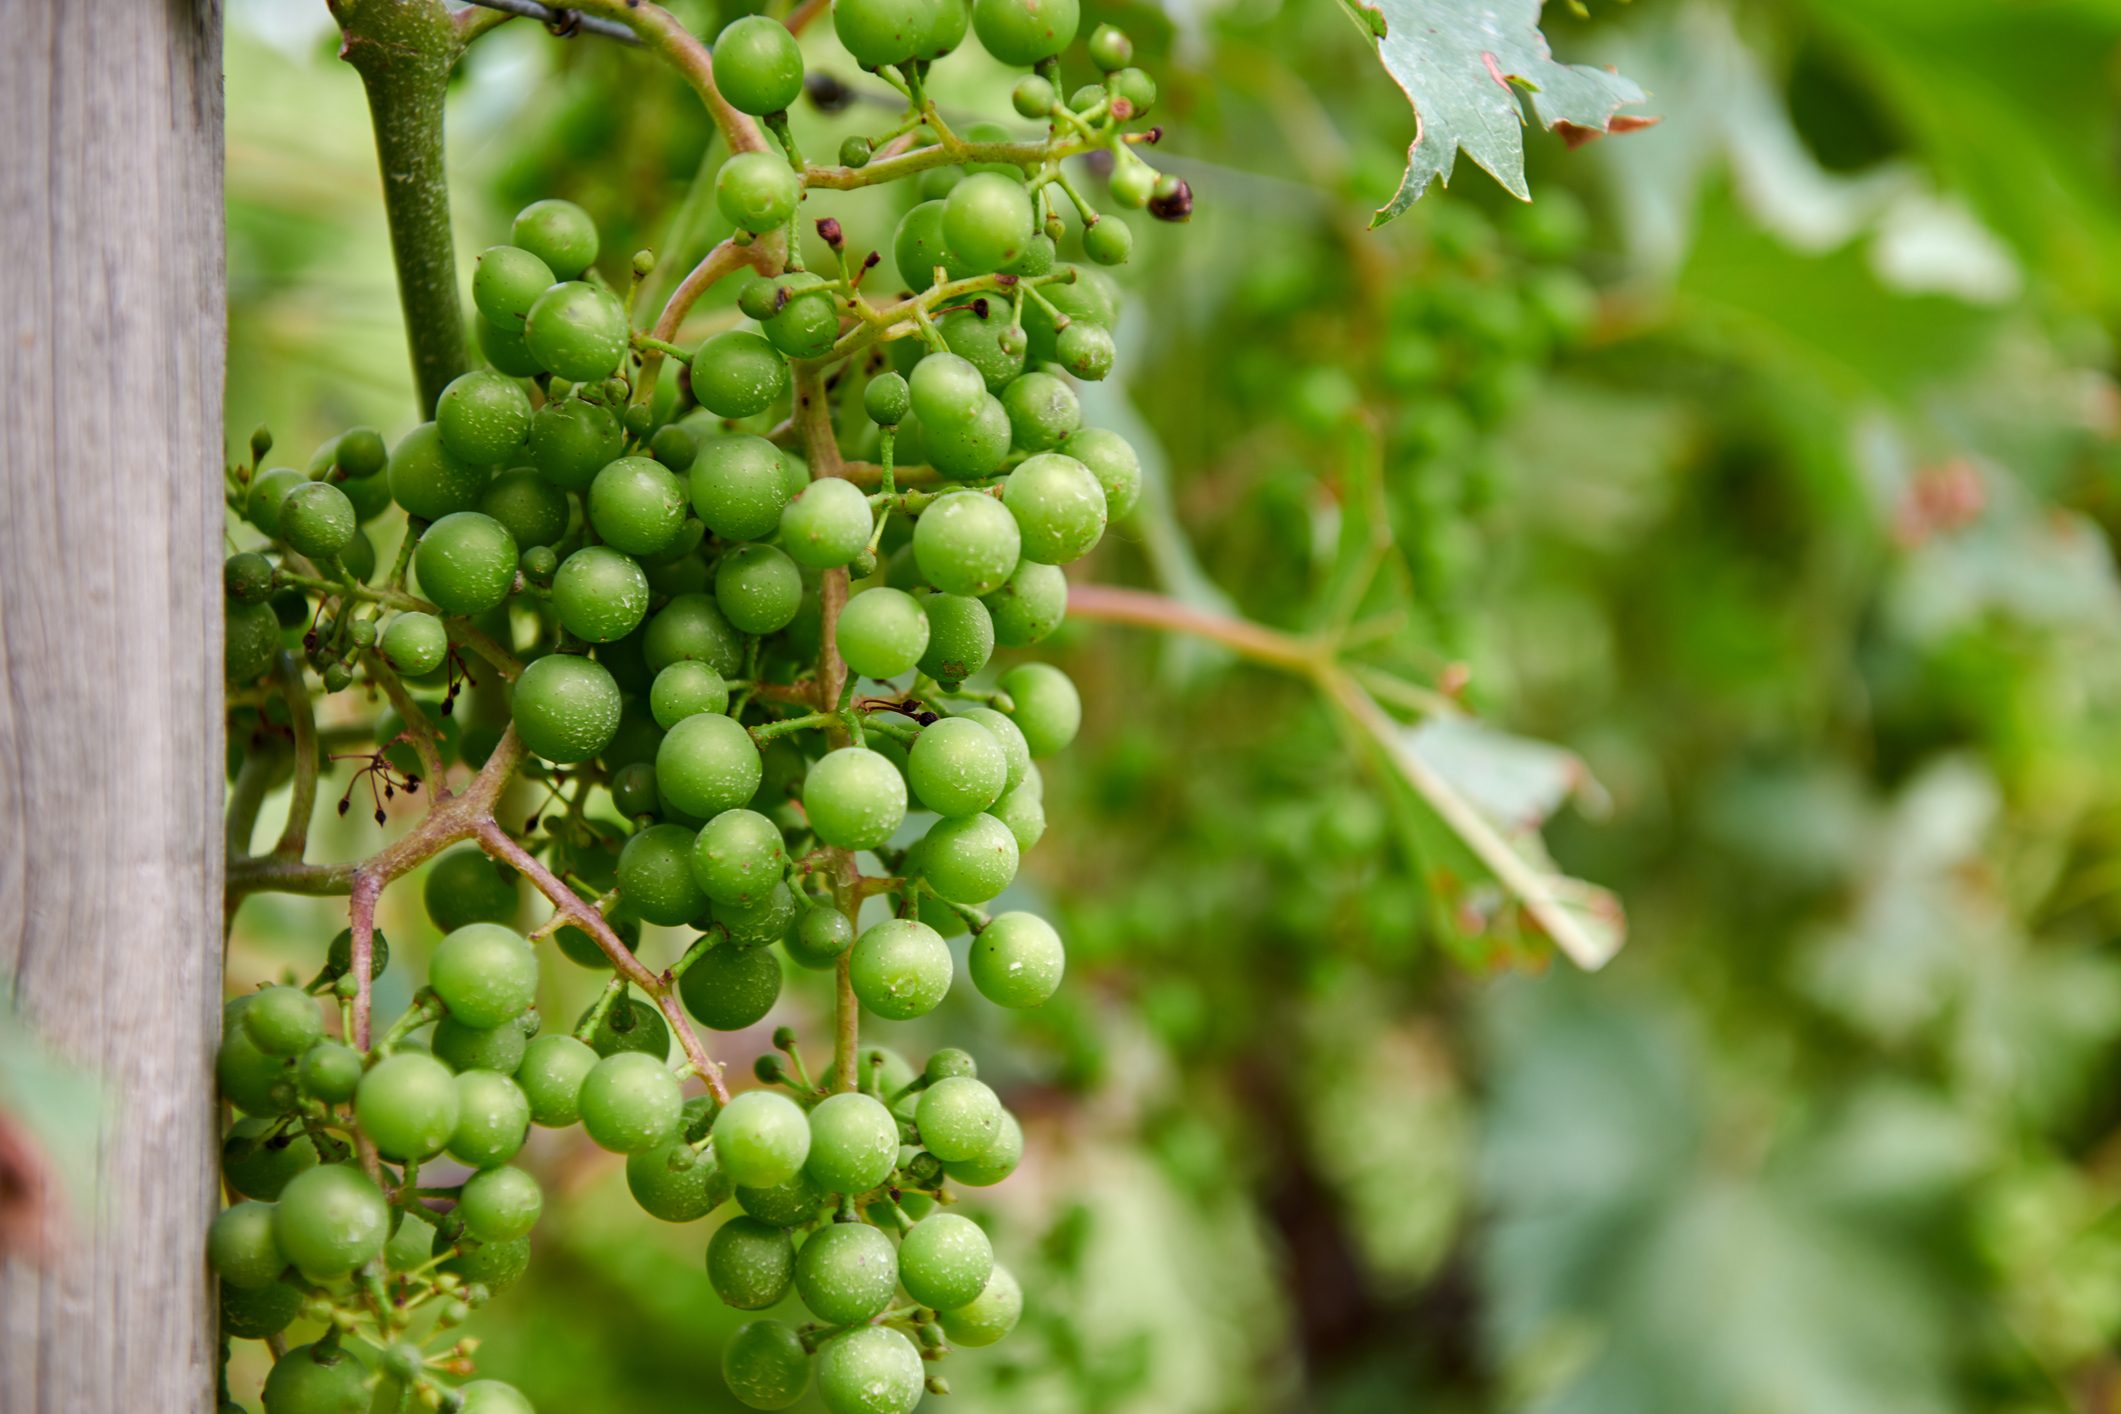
(506, 282)
(360, 453)
(500, 1204)
(467, 1048)
(465, 886)
(1110, 48)
(1133, 182)
(313, 1380)
(493, 1265)
(330, 1220)
(427, 479)
(1042, 410)
(251, 1080)
(805, 322)
(560, 234)
(820, 937)
(684, 689)
(1022, 32)
(960, 638)
(655, 874)
(731, 988)
(946, 22)
(870, 1370)
(1059, 507)
(882, 633)
(761, 1139)
(494, 1397)
(765, 1365)
(957, 767)
(505, 348)
(247, 578)
(959, 1118)
(707, 764)
(739, 486)
(241, 1246)
(966, 543)
(989, 342)
(533, 510)
(758, 66)
(493, 1120)
(637, 505)
(1046, 706)
(855, 798)
(887, 399)
(918, 248)
(880, 32)
(845, 1272)
(329, 1072)
(758, 588)
(738, 374)
(407, 1103)
(826, 524)
(853, 1144)
(600, 594)
(283, 1021)
(466, 563)
(945, 1261)
(900, 968)
(739, 857)
(676, 1183)
(551, 1077)
(947, 391)
(483, 417)
(631, 1103)
(994, 1163)
(988, 221)
(1085, 350)
(258, 1315)
(1029, 606)
(1108, 241)
(970, 450)
(750, 1264)
(251, 640)
(484, 974)
(571, 440)
(691, 626)
(1113, 461)
(268, 492)
(1023, 810)
(968, 859)
(756, 191)
(1016, 752)
(577, 332)
(762, 922)
(629, 1024)
(1033, 97)
(317, 520)
(566, 708)
(1017, 960)
(794, 1203)
(1137, 90)
(989, 1316)
(674, 447)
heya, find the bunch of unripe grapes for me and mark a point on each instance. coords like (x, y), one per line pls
(663, 562)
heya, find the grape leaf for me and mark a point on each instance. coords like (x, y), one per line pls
(1456, 61)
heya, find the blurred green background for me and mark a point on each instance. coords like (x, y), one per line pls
(1762, 467)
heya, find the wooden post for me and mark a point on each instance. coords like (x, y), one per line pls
(112, 323)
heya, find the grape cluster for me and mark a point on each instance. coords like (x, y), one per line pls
(745, 618)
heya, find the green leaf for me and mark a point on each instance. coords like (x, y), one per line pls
(1456, 61)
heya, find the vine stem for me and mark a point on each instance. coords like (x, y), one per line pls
(302, 718)
(725, 259)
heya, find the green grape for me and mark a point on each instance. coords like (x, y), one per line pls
(250, 1079)
(988, 221)
(761, 1139)
(990, 1315)
(870, 1370)
(1085, 350)
(674, 447)
(655, 875)
(283, 1021)
(1033, 97)
(945, 1261)
(900, 968)
(739, 487)
(1047, 708)
(731, 988)
(758, 924)
(739, 857)
(560, 234)
(966, 543)
(882, 633)
(247, 578)
(826, 524)
(1016, 752)
(313, 1379)
(959, 1118)
(791, 1204)
(805, 322)
(973, 449)
(493, 1120)
(1108, 241)
(572, 440)
(691, 627)
(756, 191)
(330, 1220)
(577, 331)
(1017, 960)
(1113, 462)
(338, 958)
(637, 505)
(268, 492)
(738, 374)
(1110, 49)
(1133, 182)
(707, 764)
(1022, 32)
(1059, 508)
(361, 453)
(1029, 606)
(676, 1184)
(465, 1048)
(407, 1103)
(944, 30)
(917, 247)
(853, 1144)
(631, 1024)
(317, 520)
(464, 886)
(428, 480)
(758, 588)
(846, 1272)
(960, 638)
(994, 1163)
(631, 1103)
(506, 282)
(887, 399)
(600, 594)
(466, 563)
(855, 798)
(500, 1204)
(532, 508)
(566, 708)
(483, 417)
(243, 1250)
(551, 1077)
(1042, 411)
(1090, 298)
(765, 1365)
(329, 1072)
(684, 689)
(484, 974)
(256, 1315)
(1023, 810)
(947, 390)
(505, 348)
(494, 1397)
(819, 939)
(750, 1264)
(1138, 91)
(758, 66)
(1039, 258)
(969, 859)
(880, 32)
(251, 640)
(956, 767)
(987, 341)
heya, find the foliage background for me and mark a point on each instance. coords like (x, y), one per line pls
(1764, 464)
